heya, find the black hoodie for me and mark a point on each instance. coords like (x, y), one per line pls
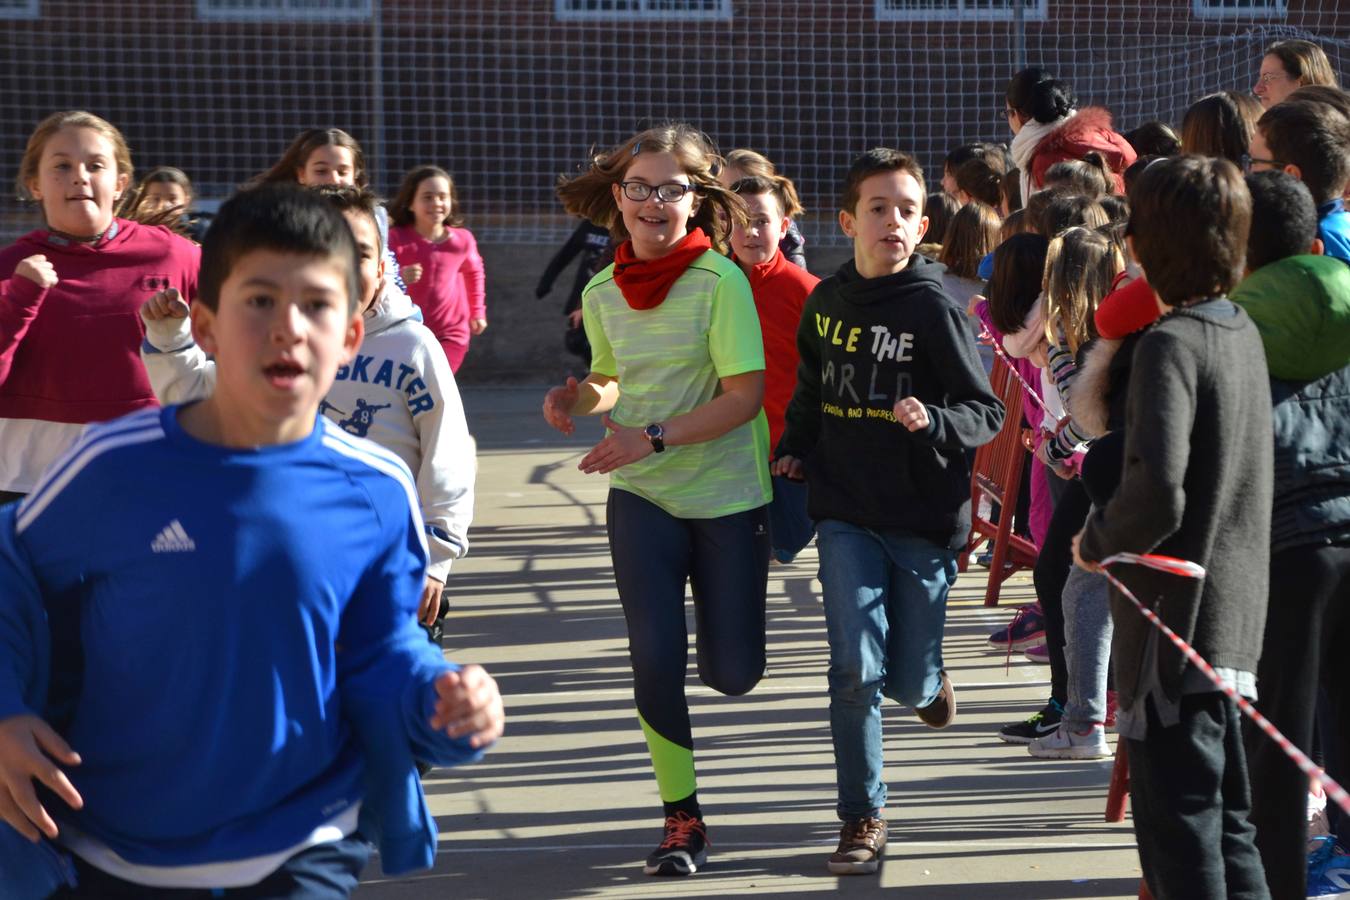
(866, 343)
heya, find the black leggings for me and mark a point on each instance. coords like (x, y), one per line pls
(726, 562)
(1052, 570)
(1307, 629)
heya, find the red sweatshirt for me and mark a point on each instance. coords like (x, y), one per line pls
(780, 289)
(450, 291)
(72, 353)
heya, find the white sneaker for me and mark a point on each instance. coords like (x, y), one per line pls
(1066, 743)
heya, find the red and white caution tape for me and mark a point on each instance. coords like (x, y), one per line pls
(1033, 393)
(1184, 569)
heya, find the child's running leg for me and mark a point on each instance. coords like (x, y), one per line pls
(1190, 845)
(921, 575)
(729, 580)
(651, 553)
(455, 353)
(855, 574)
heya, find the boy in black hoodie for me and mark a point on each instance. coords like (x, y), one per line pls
(890, 395)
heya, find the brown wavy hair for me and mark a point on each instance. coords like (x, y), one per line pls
(400, 208)
(589, 194)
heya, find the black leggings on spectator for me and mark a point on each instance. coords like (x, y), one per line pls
(1052, 570)
(1307, 631)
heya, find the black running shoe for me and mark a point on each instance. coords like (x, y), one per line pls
(1039, 724)
(684, 849)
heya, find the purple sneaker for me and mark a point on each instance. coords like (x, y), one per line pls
(1038, 654)
(1026, 629)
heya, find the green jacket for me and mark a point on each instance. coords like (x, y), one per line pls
(1301, 306)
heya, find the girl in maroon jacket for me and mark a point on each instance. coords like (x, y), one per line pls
(70, 333)
(1048, 127)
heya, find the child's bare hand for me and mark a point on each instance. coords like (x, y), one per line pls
(430, 607)
(789, 467)
(1062, 469)
(411, 274)
(30, 749)
(469, 703)
(38, 270)
(574, 319)
(167, 304)
(477, 326)
(1078, 556)
(619, 448)
(558, 403)
(911, 413)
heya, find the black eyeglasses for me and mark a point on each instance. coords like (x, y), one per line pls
(1246, 160)
(670, 192)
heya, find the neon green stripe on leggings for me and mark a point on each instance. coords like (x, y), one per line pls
(674, 765)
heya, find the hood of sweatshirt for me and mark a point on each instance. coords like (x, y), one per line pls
(1301, 306)
(392, 306)
(920, 276)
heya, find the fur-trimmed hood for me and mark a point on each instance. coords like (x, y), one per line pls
(1087, 132)
(1090, 392)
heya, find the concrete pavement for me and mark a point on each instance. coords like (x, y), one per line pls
(565, 805)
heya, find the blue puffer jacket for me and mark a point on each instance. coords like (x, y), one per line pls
(1312, 461)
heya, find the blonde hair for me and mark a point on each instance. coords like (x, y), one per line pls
(752, 163)
(590, 196)
(1304, 61)
(73, 118)
(1079, 267)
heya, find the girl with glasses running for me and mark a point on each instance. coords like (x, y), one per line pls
(677, 375)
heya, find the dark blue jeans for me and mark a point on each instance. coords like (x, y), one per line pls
(885, 611)
(325, 872)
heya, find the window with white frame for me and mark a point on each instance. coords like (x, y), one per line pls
(1235, 9)
(20, 9)
(960, 9)
(284, 10)
(623, 10)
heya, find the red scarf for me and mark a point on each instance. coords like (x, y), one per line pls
(644, 283)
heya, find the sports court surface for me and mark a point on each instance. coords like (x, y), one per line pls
(565, 805)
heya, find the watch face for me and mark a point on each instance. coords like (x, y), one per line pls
(654, 431)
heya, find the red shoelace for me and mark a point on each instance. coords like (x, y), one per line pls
(678, 829)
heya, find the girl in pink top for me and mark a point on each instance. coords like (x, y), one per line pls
(70, 332)
(439, 259)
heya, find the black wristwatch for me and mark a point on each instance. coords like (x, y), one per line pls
(656, 436)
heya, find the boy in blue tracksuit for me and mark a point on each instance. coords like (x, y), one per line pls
(207, 611)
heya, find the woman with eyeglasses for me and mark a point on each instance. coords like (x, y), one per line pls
(677, 375)
(1288, 65)
(1048, 127)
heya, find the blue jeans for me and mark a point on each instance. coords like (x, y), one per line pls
(885, 609)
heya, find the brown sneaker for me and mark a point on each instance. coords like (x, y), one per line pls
(860, 844)
(942, 710)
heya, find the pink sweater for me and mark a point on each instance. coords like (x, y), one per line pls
(72, 353)
(450, 291)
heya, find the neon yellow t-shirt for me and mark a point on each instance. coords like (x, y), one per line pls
(668, 360)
